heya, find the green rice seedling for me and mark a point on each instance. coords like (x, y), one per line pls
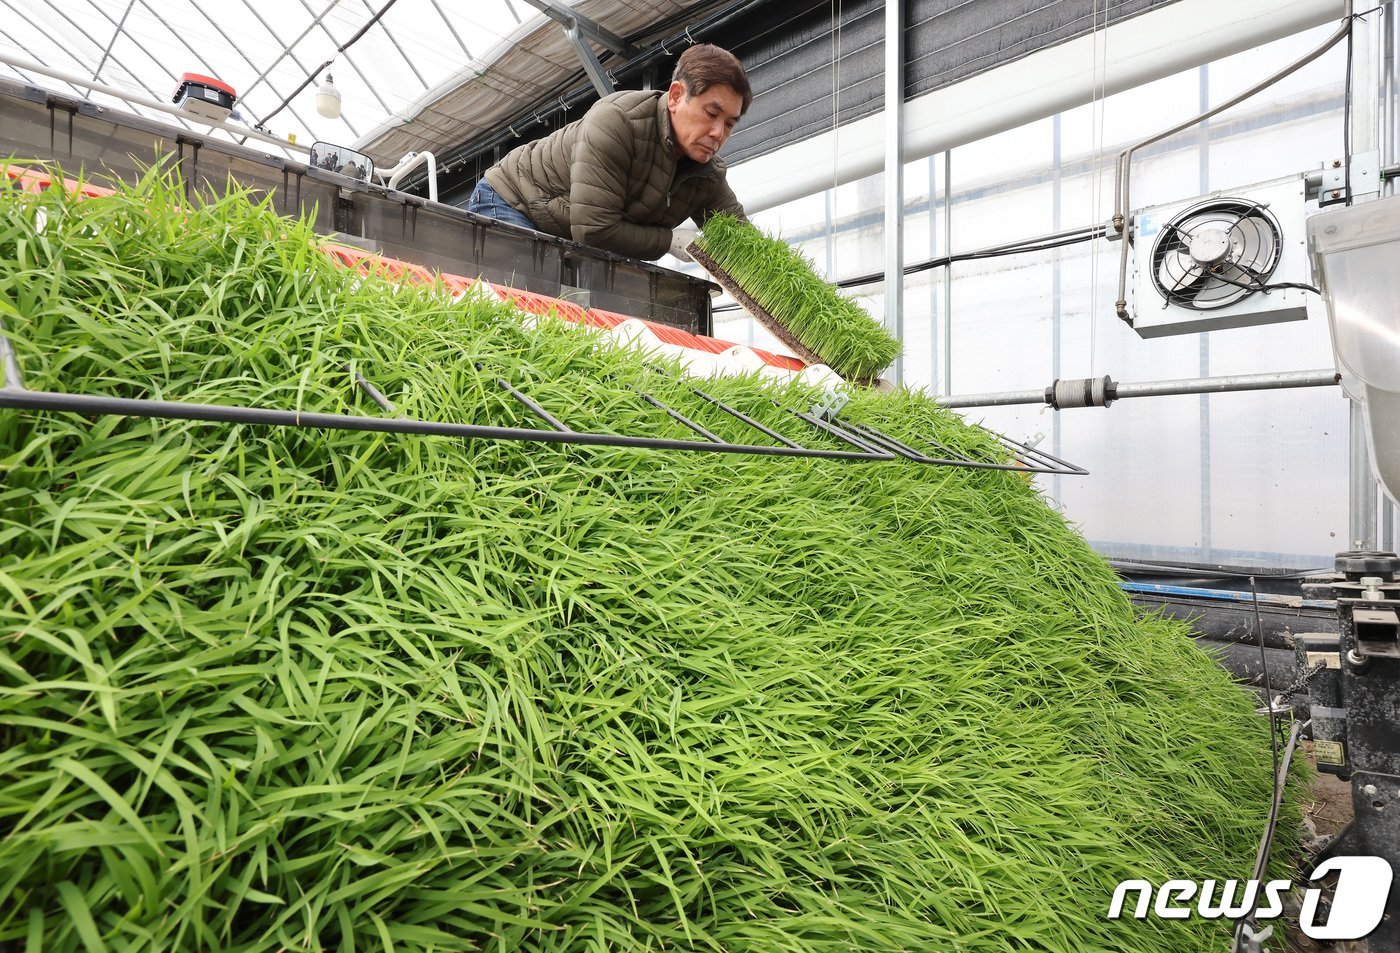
(285, 689)
(819, 318)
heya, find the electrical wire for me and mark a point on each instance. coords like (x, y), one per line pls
(1268, 686)
(1098, 91)
(1266, 843)
(1347, 98)
(311, 77)
(1263, 287)
(1072, 237)
(1086, 235)
(1346, 115)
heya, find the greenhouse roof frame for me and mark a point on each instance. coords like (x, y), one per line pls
(401, 66)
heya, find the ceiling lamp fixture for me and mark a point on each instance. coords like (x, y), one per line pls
(328, 99)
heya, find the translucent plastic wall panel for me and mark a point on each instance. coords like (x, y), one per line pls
(923, 331)
(1002, 328)
(1294, 124)
(1143, 496)
(1276, 474)
(987, 212)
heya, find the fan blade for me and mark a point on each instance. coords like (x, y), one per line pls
(1222, 289)
(1178, 271)
(1254, 245)
(1205, 218)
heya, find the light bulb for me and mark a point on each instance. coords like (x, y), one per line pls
(328, 99)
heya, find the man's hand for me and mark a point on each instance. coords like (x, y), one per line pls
(680, 238)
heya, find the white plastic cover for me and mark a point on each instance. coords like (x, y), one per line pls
(1356, 258)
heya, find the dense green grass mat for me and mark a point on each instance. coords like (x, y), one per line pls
(266, 689)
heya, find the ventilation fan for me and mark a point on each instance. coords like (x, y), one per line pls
(1215, 253)
(1212, 263)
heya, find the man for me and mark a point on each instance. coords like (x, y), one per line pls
(637, 165)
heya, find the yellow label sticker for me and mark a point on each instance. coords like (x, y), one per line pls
(1329, 752)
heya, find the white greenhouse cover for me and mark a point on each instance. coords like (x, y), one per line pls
(393, 80)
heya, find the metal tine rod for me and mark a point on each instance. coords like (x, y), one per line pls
(678, 416)
(1042, 454)
(961, 460)
(534, 408)
(95, 405)
(373, 392)
(958, 459)
(880, 440)
(745, 418)
(959, 456)
(1033, 458)
(1023, 451)
(883, 439)
(839, 433)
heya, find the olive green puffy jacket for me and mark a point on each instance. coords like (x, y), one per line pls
(612, 179)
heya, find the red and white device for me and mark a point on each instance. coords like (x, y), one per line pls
(204, 96)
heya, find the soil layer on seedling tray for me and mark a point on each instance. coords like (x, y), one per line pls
(756, 310)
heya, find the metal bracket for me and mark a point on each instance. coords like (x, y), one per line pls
(596, 74)
(1365, 171)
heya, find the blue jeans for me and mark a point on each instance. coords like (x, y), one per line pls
(486, 201)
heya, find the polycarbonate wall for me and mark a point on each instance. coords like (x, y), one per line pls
(1255, 479)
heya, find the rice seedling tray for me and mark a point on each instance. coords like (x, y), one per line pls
(756, 310)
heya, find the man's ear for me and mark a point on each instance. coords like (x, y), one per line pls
(675, 94)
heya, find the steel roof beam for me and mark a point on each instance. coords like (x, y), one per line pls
(599, 34)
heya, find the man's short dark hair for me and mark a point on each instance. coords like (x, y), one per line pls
(706, 65)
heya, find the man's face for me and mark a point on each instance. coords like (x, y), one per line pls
(701, 124)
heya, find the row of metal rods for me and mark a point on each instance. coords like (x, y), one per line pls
(867, 442)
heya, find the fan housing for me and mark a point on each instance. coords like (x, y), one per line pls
(1208, 264)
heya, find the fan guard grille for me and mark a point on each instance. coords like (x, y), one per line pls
(1216, 253)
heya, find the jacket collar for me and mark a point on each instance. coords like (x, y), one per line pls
(663, 122)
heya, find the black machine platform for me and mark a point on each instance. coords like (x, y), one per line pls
(101, 143)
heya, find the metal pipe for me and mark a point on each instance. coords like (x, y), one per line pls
(894, 177)
(598, 76)
(948, 273)
(373, 392)
(567, 16)
(1361, 495)
(1122, 205)
(113, 41)
(1204, 385)
(410, 162)
(122, 94)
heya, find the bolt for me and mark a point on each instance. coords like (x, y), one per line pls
(1336, 193)
(1370, 790)
(1336, 163)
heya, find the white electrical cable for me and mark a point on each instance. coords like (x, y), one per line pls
(835, 97)
(1098, 90)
